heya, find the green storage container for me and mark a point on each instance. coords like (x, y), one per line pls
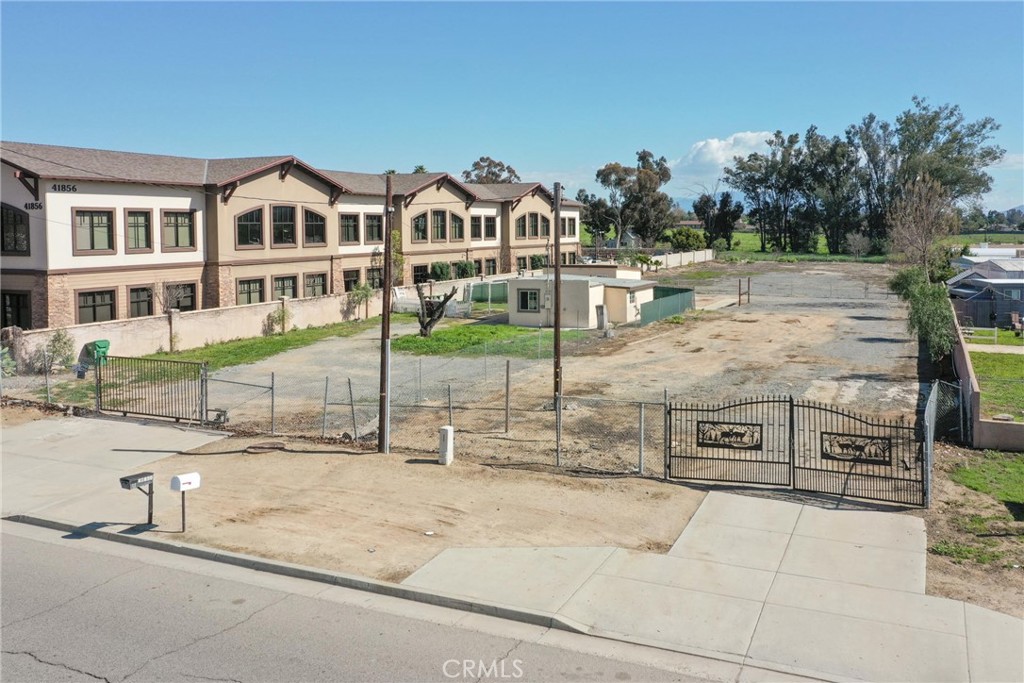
(100, 348)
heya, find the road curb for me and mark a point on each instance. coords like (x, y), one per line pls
(353, 581)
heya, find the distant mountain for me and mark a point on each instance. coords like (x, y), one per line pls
(1016, 208)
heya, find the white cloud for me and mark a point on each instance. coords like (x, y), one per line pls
(702, 166)
(1011, 162)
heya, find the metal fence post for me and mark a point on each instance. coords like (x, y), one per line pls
(791, 441)
(451, 417)
(323, 429)
(273, 426)
(419, 382)
(352, 407)
(46, 371)
(641, 469)
(99, 386)
(508, 392)
(204, 388)
(667, 435)
(558, 430)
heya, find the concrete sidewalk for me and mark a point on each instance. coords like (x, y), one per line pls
(994, 348)
(834, 595)
(755, 584)
(66, 469)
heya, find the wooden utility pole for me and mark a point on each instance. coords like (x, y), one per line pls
(558, 290)
(384, 419)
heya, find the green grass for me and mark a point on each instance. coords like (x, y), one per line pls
(990, 237)
(74, 392)
(1001, 381)
(961, 552)
(479, 340)
(1002, 337)
(980, 524)
(701, 274)
(750, 250)
(996, 474)
(242, 351)
(483, 307)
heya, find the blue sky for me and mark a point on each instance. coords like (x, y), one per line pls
(554, 89)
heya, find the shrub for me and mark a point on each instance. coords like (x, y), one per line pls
(687, 239)
(720, 245)
(464, 269)
(440, 270)
(906, 280)
(276, 322)
(7, 364)
(931, 319)
(537, 261)
(59, 352)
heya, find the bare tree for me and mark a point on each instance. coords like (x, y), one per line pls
(920, 218)
(431, 310)
(173, 294)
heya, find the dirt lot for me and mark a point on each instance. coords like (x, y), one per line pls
(371, 514)
(325, 506)
(962, 518)
(333, 507)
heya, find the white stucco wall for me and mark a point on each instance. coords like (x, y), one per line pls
(58, 207)
(18, 196)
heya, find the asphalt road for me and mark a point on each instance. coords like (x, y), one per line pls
(81, 609)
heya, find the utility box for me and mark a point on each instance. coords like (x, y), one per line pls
(446, 451)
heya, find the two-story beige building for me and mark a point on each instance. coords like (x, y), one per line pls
(92, 235)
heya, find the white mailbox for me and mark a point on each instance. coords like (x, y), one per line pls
(185, 482)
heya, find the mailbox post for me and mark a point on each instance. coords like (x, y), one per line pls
(138, 481)
(184, 482)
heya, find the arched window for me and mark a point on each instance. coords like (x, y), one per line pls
(249, 228)
(521, 227)
(419, 228)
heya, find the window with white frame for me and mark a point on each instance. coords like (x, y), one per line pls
(529, 300)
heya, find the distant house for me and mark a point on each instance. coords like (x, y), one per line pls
(630, 239)
(986, 293)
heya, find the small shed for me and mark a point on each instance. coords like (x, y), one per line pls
(532, 300)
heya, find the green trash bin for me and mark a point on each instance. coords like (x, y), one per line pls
(100, 348)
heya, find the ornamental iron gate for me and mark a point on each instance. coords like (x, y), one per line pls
(155, 388)
(807, 446)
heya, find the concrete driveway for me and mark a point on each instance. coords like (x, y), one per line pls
(67, 469)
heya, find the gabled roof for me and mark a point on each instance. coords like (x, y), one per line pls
(79, 163)
(221, 172)
(76, 163)
(402, 184)
(503, 192)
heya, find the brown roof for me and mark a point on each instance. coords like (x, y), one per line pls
(220, 171)
(499, 192)
(402, 184)
(75, 163)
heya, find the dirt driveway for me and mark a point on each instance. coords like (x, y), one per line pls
(385, 516)
(825, 332)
